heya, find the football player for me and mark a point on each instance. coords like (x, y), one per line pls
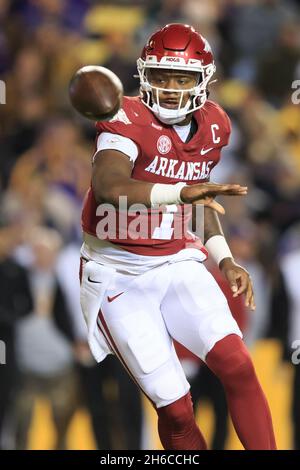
(143, 284)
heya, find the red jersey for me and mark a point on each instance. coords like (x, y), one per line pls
(162, 158)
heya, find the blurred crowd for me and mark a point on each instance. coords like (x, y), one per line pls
(45, 157)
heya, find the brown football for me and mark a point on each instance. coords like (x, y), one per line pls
(96, 92)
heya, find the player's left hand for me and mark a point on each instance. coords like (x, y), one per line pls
(239, 280)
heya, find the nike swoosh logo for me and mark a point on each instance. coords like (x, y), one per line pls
(204, 151)
(94, 282)
(110, 299)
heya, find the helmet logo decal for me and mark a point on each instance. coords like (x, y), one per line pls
(195, 62)
(172, 59)
(164, 144)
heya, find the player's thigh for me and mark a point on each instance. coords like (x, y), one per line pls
(134, 327)
(195, 309)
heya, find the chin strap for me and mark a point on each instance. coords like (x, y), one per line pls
(171, 116)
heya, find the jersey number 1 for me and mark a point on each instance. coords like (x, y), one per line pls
(165, 230)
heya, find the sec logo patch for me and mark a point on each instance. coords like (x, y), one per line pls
(164, 144)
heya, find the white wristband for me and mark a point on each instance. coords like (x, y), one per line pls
(166, 194)
(218, 248)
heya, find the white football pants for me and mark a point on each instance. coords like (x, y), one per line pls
(140, 315)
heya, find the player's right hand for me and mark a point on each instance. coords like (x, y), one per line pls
(204, 193)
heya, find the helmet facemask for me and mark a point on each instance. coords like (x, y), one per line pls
(150, 93)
